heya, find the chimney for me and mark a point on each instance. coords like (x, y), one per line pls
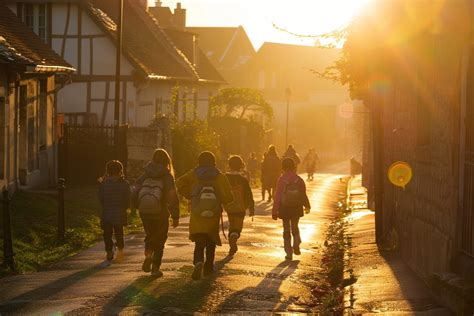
(143, 4)
(158, 3)
(180, 17)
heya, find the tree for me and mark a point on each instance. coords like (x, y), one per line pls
(242, 103)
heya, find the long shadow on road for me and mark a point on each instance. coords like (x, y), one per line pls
(24, 301)
(180, 295)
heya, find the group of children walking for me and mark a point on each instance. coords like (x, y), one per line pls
(210, 192)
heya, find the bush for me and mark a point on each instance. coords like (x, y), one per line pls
(188, 140)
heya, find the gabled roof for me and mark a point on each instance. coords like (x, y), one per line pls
(218, 41)
(20, 45)
(203, 66)
(145, 43)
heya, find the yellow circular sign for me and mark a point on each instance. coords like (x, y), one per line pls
(400, 174)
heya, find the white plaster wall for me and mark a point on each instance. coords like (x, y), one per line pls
(104, 58)
(86, 57)
(70, 52)
(73, 98)
(88, 25)
(58, 18)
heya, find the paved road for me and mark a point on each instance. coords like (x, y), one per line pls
(257, 279)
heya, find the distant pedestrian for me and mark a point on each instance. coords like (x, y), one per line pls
(156, 198)
(252, 166)
(291, 202)
(271, 170)
(208, 190)
(310, 161)
(292, 154)
(114, 197)
(243, 201)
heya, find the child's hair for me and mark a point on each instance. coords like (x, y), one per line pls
(235, 163)
(207, 159)
(114, 168)
(161, 157)
(288, 164)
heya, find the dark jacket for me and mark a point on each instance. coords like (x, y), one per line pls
(271, 170)
(114, 196)
(170, 198)
(238, 179)
(278, 209)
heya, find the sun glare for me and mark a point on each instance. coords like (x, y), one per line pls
(304, 17)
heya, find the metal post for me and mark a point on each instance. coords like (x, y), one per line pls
(288, 96)
(61, 217)
(377, 133)
(118, 64)
(8, 254)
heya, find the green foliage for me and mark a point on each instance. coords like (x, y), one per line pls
(242, 103)
(188, 140)
(34, 226)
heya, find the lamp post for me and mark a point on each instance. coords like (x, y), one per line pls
(118, 64)
(288, 96)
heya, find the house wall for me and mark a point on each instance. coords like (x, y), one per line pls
(28, 149)
(421, 118)
(155, 97)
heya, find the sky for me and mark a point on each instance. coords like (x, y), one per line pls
(258, 16)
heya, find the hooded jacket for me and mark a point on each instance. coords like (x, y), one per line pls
(187, 183)
(157, 171)
(278, 210)
(114, 197)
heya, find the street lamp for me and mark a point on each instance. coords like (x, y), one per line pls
(117, 63)
(288, 96)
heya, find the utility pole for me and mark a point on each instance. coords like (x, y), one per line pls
(118, 64)
(288, 96)
(379, 173)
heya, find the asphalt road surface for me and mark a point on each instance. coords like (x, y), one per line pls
(255, 280)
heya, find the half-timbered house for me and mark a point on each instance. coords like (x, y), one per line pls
(30, 74)
(157, 76)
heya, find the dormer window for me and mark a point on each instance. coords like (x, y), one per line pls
(35, 16)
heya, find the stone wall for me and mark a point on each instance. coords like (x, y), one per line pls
(421, 123)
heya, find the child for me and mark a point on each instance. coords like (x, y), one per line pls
(243, 200)
(208, 190)
(156, 199)
(114, 196)
(290, 199)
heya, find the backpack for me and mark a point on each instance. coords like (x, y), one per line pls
(204, 201)
(150, 197)
(292, 196)
(238, 193)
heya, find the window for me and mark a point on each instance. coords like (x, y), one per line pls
(35, 16)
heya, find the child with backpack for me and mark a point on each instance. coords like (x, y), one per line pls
(114, 197)
(290, 204)
(156, 199)
(243, 201)
(208, 190)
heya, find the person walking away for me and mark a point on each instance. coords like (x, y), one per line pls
(208, 190)
(291, 153)
(271, 170)
(252, 166)
(290, 200)
(243, 201)
(114, 197)
(310, 161)
(156, 199)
